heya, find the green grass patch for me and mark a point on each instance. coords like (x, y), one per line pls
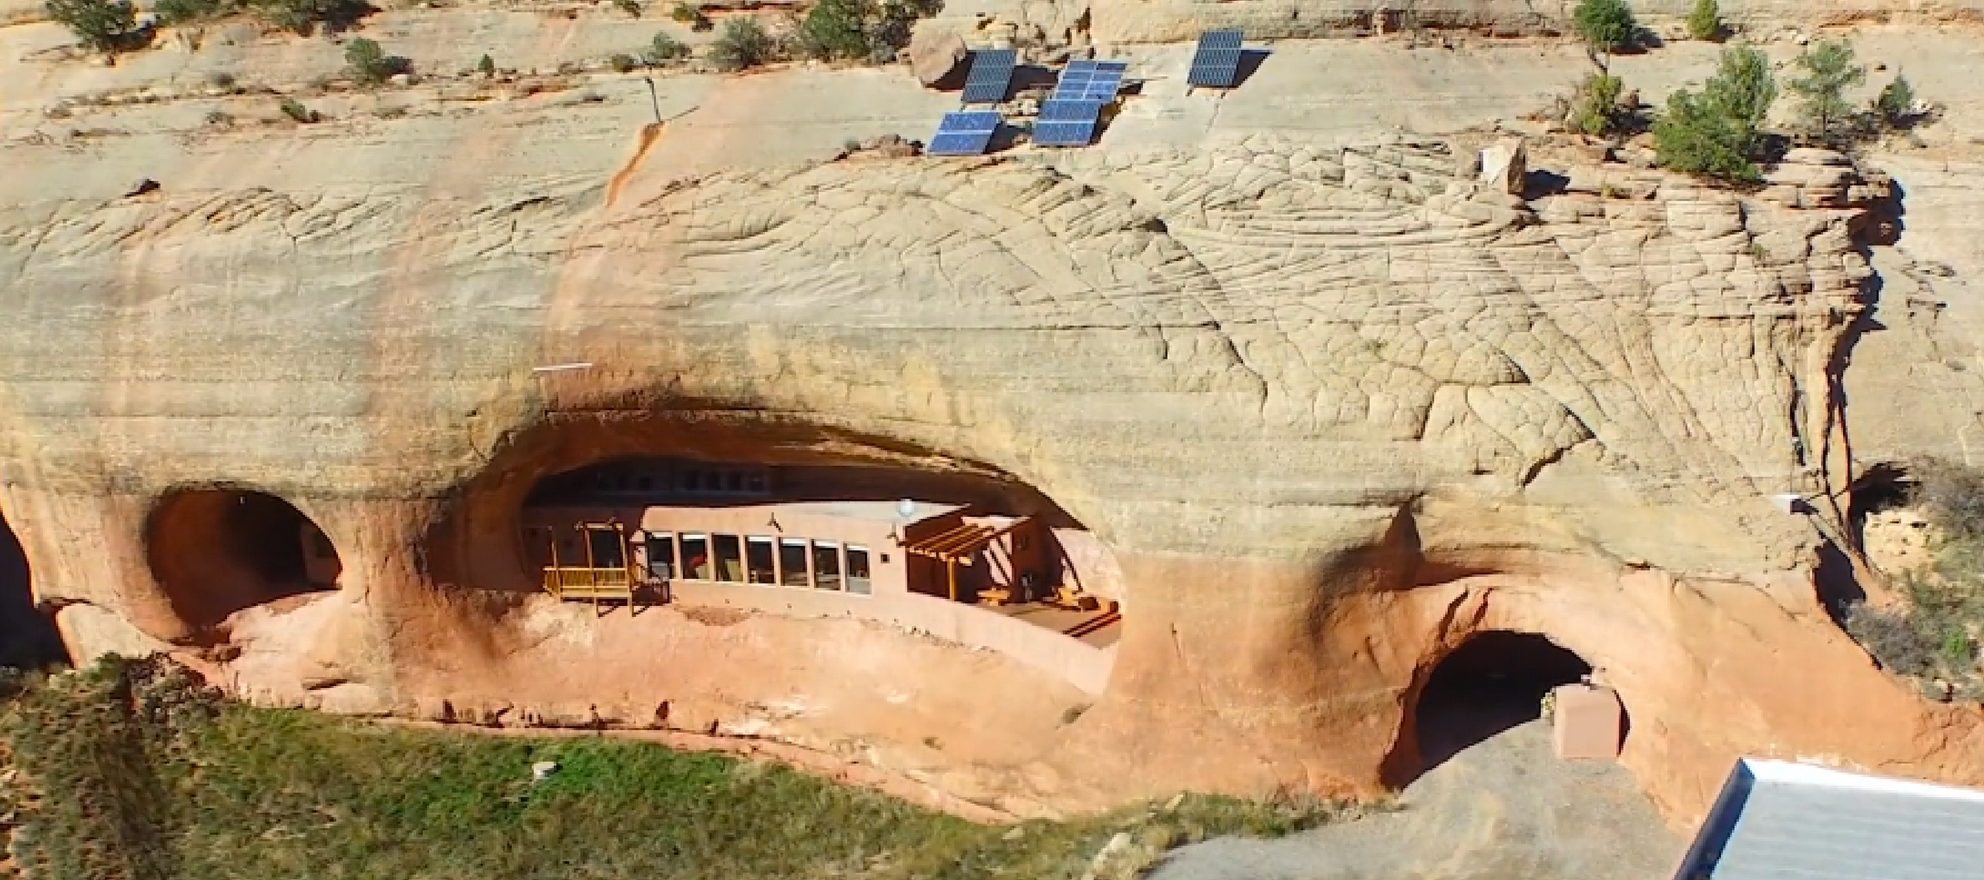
(133, 770)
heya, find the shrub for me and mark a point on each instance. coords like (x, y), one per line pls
(1607, 25)
(836, 29)
(221, 79)
(1595, 110)
(104, 25)
(487, 66)
(631, 7)
(622, 62)
(1829, 71)
(743, 45)
(294, 109)
(1715, 132)
(864, 30)
(1951, 496)
(370, 64)
(1934, 633)
(303, 16)
(171, 12)
(1896, 104)
(890, 30)
(665, 48)
(690, 15)
(1743, 86)
(219, 117)
(1705, 21)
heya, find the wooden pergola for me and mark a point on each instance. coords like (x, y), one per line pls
(958, 545)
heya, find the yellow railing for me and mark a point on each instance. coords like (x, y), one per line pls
(572, 582)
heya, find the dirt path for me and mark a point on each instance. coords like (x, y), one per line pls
(1505, 809)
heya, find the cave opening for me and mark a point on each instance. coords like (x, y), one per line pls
(824, 525)
(216, 552)
(28, 637)
(1494, 682)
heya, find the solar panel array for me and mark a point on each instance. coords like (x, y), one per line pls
(1216, 64)
(991, 75)
(964, 134)
(1067, 123)
(1090, 80)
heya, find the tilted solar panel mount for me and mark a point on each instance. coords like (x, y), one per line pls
(966, 133)
(1067, 122)
(1216, 64)
(1090, 80)
(991, 76)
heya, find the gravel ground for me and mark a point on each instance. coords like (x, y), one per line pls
(1505, 809)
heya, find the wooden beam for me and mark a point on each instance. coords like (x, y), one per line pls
(937, 545)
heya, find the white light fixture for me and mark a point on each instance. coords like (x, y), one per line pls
(906, 508)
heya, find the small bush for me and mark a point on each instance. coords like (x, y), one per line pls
(631, 7)
(294, 109)
(222, 80)
(1607, 25)
(1896, 104)
(304, 16)
(486, 66)
(370, 64)
(1715, 132)
(690, 15)
(622, 62)
(1829, 70)
(104, 25)
(170, 12)
(219, 117)
(1952, 497)
(1705, 21)
(858, 30)
(836, 29)
(1595, 110)
(743, 45)
(664, 48)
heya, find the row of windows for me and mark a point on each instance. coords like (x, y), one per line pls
(689, 480)
(759, 559)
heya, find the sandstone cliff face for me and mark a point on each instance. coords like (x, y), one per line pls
(1331, 411)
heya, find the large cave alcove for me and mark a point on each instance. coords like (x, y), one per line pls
(638, 508)
(1491, 683)
(218, 551)
(27, 637)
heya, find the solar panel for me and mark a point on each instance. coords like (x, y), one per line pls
(1069, 110)
(991, 75)
(1090, 80)
(1067, 123)
(1073, 133)
(1216, 64)
(964, 134)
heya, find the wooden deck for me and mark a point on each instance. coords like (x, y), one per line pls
(1099, 628)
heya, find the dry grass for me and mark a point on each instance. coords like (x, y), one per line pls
(136, 772)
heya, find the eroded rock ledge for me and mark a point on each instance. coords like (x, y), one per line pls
(1332, 411)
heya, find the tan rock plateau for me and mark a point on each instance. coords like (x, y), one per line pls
(1314, 402)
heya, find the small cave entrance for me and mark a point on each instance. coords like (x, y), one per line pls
(27, 636)
(218, 551)
(1493, 682)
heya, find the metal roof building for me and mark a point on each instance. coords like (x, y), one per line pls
(1780, 820)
